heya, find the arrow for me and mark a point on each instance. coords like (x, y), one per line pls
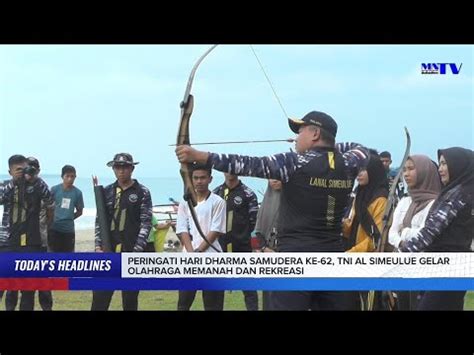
(289, 140)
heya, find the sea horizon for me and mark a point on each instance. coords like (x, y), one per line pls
(161, 189)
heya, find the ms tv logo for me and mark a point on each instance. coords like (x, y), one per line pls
(440, 68)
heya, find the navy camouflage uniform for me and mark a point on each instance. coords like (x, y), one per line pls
(130, 214)
(242, 209)
(316, 187)
(20, 230)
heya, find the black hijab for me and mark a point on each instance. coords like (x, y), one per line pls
(365, 195)
(460, 163)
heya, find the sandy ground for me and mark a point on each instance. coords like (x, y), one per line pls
(85, 240)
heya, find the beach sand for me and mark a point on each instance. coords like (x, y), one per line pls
(85, 240)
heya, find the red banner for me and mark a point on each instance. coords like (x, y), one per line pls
(32, 284)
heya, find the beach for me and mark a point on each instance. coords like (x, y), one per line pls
(85, 240)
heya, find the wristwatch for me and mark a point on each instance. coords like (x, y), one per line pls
(197, 250)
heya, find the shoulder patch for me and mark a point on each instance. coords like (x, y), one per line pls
(238, 200)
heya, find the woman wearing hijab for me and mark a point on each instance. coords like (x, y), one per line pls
(449, 226)
(424, 186)
(363, 226)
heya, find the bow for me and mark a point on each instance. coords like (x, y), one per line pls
(392, 197)
(376, 298)
(187, 106)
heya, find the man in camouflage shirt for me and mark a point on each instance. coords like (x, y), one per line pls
(129, 210)
(317, 180)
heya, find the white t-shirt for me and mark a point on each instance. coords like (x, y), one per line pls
(211, 214)
(397, 233)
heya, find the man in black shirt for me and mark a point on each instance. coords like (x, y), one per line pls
(241, 210)
(317, 180)
(129, 210)
(23, 197)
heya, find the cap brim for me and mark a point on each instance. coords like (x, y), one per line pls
(295, 124)
(112, 163)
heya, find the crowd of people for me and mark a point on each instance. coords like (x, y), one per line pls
(315, 213)
(323, 197)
